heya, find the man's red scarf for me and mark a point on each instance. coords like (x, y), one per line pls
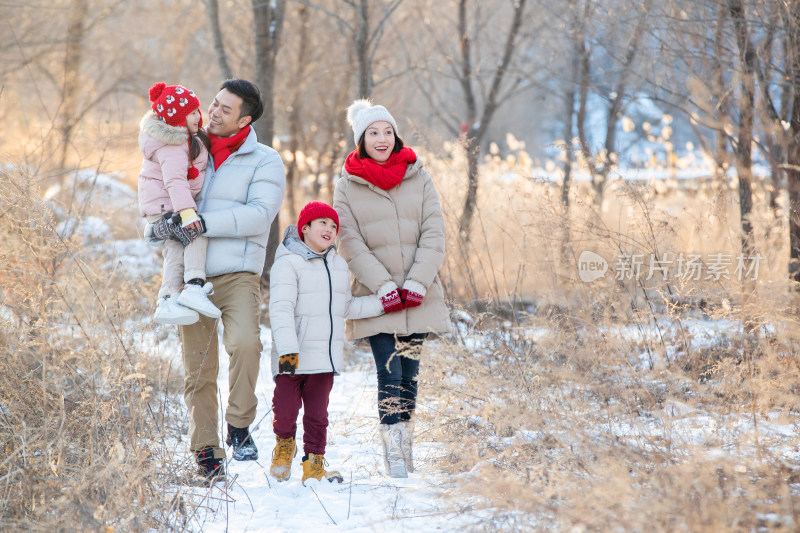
(385, 176)
(222, 147)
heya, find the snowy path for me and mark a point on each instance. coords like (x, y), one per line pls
(367, 501)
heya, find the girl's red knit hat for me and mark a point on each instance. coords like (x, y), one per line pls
(173, 103)
(313, 211)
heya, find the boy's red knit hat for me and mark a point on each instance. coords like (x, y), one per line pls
(313, 211)
(173, 103)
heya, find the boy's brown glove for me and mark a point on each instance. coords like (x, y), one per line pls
(287, 364)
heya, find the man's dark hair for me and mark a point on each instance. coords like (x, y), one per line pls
(252, 103)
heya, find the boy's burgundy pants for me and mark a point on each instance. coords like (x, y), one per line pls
(312, 392)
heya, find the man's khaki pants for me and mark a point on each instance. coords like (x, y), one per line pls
(238, 296)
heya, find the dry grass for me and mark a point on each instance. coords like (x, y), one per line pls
(615, 405)
(84, 415)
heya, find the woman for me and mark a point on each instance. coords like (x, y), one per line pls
(392, 236)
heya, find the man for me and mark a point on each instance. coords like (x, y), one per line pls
(244, 186)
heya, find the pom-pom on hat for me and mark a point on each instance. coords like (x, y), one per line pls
(361, 113)
(173, 103)
(313, 211)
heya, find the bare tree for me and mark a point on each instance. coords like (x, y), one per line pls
(481, 75)
(365, 32)
(295, 107)
(478, 121)
(614, 90)
(219, 43)
(791, 18)
(578, 51)
(268, 19)
(743, 146)
(68, 112)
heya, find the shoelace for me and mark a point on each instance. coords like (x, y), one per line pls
(283, 452)
(318, 465)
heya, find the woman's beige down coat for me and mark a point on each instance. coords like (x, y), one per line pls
(393, 236)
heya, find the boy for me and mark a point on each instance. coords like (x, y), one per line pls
(309, 301)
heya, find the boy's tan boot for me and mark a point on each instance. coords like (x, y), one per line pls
(282, 455)
(314, 468)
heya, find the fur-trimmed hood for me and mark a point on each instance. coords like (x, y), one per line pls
(163, 179)
(161, 131)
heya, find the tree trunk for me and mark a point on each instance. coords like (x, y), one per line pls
(68, 115)
(477, 128)
(615, 107)
(295, 114)
(583, 111)
(362, 50)
(471, 145)
(268, 20)
(219, 43)
(576, 41)
(793, 151)
(744, 155)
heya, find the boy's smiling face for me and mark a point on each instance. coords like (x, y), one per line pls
(319, 234)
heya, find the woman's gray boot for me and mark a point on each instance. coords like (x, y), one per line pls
(407, 428)
(392, 437)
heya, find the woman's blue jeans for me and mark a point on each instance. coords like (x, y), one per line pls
(397, 363)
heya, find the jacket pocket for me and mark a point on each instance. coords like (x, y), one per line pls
(302, 327)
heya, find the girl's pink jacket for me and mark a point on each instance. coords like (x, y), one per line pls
(163, 184)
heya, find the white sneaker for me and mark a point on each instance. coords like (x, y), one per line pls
(169, 311)
(196, 297)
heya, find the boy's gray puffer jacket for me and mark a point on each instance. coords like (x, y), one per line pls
(309, 301)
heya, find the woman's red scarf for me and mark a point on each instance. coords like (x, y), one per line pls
(385, 176)
(222, 147)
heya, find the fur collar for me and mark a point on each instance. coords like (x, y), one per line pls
(161, 131)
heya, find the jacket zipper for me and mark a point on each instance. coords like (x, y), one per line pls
(330, 312)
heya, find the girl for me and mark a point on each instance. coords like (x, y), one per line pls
(175, 153)
(392, 236)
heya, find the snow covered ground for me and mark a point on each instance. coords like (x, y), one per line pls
(367, 501)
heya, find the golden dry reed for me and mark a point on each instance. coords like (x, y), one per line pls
(86, 415)
(637, 401)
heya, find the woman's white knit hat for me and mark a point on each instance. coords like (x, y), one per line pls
(361, 113)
